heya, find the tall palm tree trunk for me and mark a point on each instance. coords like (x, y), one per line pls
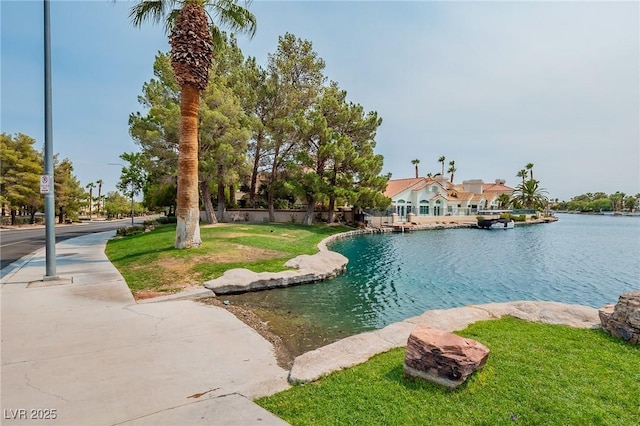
(188, 211)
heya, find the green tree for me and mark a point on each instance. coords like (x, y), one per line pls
(192, 38)
(160, 194)
(20, 174)
(599, 204)
(225, 130)
(531, 195)
(504, 200)
(133, 177)
(116, 205)
(260, 108)
(70, 196)
(617, 200)
(296, 79)
(336, 159)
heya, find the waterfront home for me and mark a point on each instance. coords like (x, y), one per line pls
(414, 198)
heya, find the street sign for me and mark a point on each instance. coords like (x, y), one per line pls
(45, 184)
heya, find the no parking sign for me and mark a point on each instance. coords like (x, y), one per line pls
(45, 184)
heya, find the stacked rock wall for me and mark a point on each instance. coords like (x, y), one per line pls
(623, 319)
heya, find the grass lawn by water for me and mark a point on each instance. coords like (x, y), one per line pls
(537, 374)
(151, 265)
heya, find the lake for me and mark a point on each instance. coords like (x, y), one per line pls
(582, 259)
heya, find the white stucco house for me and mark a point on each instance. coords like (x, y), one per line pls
(427, 196)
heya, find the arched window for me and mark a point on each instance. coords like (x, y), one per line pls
(424, 207)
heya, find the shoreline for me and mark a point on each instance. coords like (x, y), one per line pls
(325, 357)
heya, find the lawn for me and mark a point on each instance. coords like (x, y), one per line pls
(537, 374)
(151, 265)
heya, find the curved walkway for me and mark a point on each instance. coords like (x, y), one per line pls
(83, 348)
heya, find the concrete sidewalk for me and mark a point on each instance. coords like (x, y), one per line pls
(85, 353)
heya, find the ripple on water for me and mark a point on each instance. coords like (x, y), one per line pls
(586, 260)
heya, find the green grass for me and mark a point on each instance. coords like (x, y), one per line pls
(536, 374)
(149, 262)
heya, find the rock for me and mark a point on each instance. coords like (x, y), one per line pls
(318, 267)
(623, 319)
(442, 358)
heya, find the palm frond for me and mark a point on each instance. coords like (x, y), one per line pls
(234, 16)
(150, 10)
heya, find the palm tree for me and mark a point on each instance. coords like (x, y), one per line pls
(531, 195)
(442, 160)
(90, 186)
(193, 39)
(504, 200)
(452, 169)
(99, 182)
(415, 163)
(523, 174)
(529, 167)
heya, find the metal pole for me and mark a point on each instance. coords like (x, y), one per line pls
(49, 199)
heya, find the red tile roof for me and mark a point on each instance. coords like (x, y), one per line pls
(396, 186)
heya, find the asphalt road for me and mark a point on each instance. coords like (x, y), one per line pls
(16, 243)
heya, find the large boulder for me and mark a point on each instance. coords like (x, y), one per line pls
(442, 358)
(623, 319)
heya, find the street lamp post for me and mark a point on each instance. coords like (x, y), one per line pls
(132, 205)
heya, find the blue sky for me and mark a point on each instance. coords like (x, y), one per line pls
(491, 85)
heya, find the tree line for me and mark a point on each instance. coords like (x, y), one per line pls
(22, 166)
(600, 202)
(281, 133)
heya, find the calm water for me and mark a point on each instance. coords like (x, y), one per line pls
(588, 260)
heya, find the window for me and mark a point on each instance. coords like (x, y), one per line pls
(424, 210)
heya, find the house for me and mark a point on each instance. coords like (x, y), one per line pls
(436, 196)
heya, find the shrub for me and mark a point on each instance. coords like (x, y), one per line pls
(519, 218)
(163, 220)
(506, 216)
(130, 230)
(479, 218)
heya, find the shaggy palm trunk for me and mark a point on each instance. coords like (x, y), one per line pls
(188, 211)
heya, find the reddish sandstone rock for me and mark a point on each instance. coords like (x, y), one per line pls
(443, 358)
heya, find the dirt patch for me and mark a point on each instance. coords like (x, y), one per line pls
(239, 253)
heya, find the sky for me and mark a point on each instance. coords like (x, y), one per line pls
(490, 85)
